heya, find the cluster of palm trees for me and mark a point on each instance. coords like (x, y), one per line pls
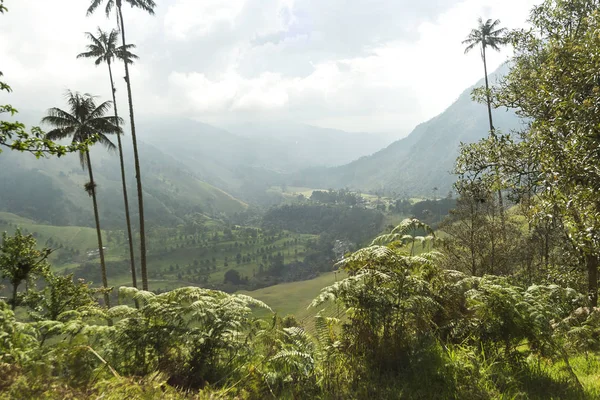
(85, 119)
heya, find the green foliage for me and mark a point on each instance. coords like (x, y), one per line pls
(61, 294)
(551, 165)
(340, 222)
(191, 334)
(405, 314)
(20, 261)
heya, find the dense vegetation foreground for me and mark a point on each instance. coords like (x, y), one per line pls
(404, 328)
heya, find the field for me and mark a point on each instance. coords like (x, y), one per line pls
(294, 297)
(176, 256)
(71, 243)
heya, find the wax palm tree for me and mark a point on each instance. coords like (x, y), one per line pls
(148, 6)
(103, 49)
(83, 121)
(486, 35)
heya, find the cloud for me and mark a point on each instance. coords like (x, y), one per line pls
(377, 65)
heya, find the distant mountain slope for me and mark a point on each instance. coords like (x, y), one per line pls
(421, 161)
(295, 146)
(256, 154)
(51, 190)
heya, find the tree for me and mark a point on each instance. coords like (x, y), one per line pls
(148, 6)
(486, 35)
(20, 261)
(553, 84)
(232, 276)
(61, 294)
(103, 48)
(84, 120)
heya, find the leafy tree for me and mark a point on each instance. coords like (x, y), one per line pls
(84, 120)
(148, 6)
(551, 85)
(20, 261)
(232, 276)
(61, 294)
(103, 49)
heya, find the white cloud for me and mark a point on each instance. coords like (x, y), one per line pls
(193, 17)
(377, 65)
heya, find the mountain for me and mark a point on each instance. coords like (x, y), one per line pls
(51, 190)
(296, 146)
(244, 162)
(255, 156)
(421, 161)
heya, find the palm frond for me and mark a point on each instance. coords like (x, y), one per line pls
(60, 133)
(492, 25)
(470, 46)
(99, 111)
(136, 294)
(59, 118)
(123, 53)
(96, 3)
(412, 225)
(106, 142)
(146, 5)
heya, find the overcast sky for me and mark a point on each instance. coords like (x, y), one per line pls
(357, 65)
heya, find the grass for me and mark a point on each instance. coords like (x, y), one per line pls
(294, 298)
(79, 238)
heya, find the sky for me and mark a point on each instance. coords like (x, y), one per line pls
(356, 65)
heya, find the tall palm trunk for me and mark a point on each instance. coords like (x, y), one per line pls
(15, 294)
(125, 200)
(487, 92)
(138, 175)
(98, 231)
(591, 261)
(492, 132)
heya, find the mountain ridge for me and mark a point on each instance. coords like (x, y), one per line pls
(421, 161)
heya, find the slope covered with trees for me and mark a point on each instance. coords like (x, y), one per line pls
(421, 161)
(49, 190)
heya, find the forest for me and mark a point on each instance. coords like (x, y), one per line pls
(490, 292)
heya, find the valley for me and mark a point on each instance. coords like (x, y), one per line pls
(246, 218)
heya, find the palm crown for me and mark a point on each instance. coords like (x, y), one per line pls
(146, 5)
(84, 120)
(486, 34)
(103, 48)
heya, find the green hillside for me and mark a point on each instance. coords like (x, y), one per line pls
(423, 160)
(51, 190)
